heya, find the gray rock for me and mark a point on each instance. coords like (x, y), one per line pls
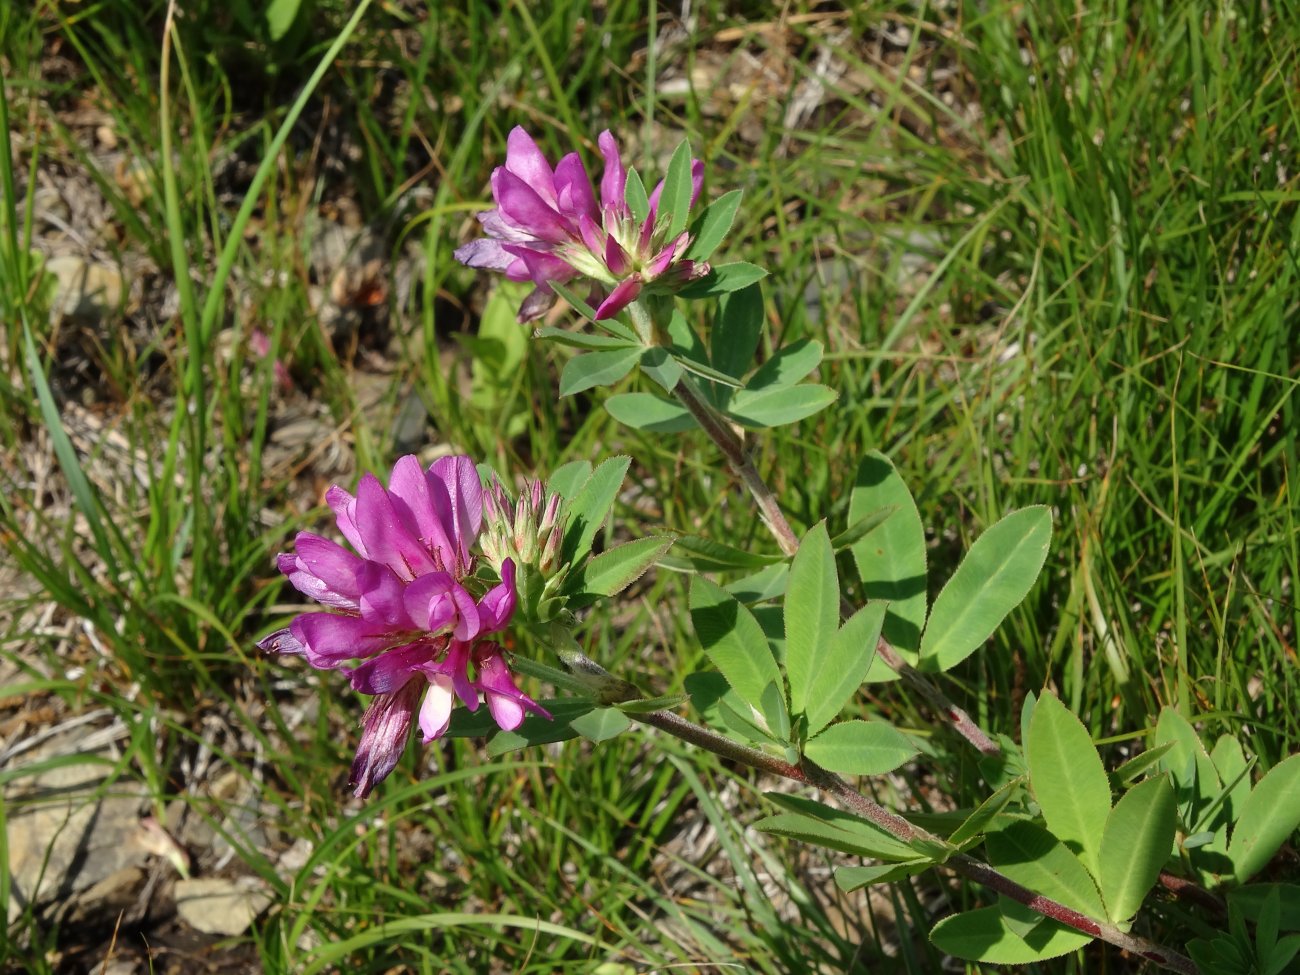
(215, 905)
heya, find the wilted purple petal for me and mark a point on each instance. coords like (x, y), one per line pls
(389, 531)
(384, 731)
(521, 204)
(620, 297)
(281, 641)
(483, 252)
(525, 160)
(613, 183)
(539, 301)
(391, 669)
(330, 639)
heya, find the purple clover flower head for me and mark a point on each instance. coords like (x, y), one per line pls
(406, 603)
(548, 226)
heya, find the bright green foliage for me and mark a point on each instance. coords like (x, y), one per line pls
(860, 748)
(601, 724)
(711, 226)
(891, 558)
(645, 411)
(986, 935)
(812, 613)
(598, 369)
(733, 640)
(1266, 819)
(991, 580)
(590, 506)
(777, 406)
(1040, 861)
(737, 327)
(839, 668)
(675, 200)
(613, 570)
(724, 279)
(1138, 839)
(1067, 779)
(822, 825)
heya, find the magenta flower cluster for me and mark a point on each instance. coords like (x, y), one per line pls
(547, 227)
(407, 605)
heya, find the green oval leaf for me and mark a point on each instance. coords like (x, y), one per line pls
(788, 366)
(1034, 858)
(601, 724)
(891, 557)
(1138, 839)
(779, 405)
(812, 612)
(597, 369)
(733, 341)
(991, 581)
(1269, 815)
(860, 748)
(1067, 778)
(849, 879)
(985, 935)
(733, 641)
(836, 674)
(645, 411)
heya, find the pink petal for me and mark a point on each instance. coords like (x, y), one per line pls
(427, 603)
(384, 731)
(525, 160)
(496, 608)
(455, 666)
(619, 298)
(542, 267)
(521, 205)
(382, 597)
(614, 181)
(616, 258)
(426, 498)
(463, 495)
(389, 532)
(325, 571)
(697, 179)
(593, 235)
(573, 189)
(344, 507)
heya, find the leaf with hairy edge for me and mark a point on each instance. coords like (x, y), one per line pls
(779, 406)
(597, 369)
(807, 819)
(1195, 778)
(613, 570)
(733, 641)
(535, 730)
(891, 557)
(1138, 839)
(724, 278)
(675, 197)
(1067, 779)
(992, 580)
(733, 342)
(706, 555)
(590, 506)
(634, 194)
(986, 936)
(837, 673)
(812, 612)
(566, 480)
(763, 585)
(1268, 817)
(1034, 858)
(985, 814)
(860, 748)
(712, 225)
(645, 411)
(788, 366)
(578, 340)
